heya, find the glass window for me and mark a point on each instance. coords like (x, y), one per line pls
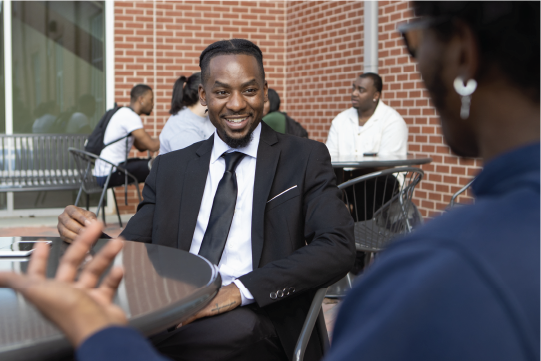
(58, 66)
(58, 76)
(3, 195)
(2, 84)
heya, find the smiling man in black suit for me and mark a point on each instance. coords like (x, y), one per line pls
(261, 205)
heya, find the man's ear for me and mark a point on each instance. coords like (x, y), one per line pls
(467, 53)
(266, 91)
(377, 96)
(202, 96)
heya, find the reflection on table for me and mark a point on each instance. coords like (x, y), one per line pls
(359, 161)
(161, 287)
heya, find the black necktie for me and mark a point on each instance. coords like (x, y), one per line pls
(223, 208)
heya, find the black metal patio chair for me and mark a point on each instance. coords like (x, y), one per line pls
(382, 208)
(453, 202)
(85, 162)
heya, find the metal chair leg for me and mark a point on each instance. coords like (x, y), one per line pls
(103, 213)
(349, 279)
(88, 202)
(117, 210)
(79, 195)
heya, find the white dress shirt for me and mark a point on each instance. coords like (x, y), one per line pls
(236, 259)
(384, 133)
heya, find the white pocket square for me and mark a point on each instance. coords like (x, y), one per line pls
(287, 190)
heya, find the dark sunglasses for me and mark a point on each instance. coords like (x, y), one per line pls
(412, 32)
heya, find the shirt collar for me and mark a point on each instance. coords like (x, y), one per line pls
(380, 108)
(220, 147)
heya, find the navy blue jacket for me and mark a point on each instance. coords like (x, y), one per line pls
(463, 287)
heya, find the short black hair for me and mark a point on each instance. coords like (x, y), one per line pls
(274, 100)
(226, 47)
(376, 79)
(507, 33)
(185, 92)
(137, 91)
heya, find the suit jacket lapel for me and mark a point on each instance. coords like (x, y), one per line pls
(267, 160)
(192, 193)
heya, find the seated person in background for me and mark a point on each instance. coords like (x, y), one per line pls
(188, 122)
(273, 117)
(79, 122)
(126, 123)
(280, 121)
(369, 126)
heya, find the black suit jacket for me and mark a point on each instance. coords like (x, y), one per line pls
(302, 240)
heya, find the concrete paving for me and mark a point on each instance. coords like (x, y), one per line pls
(46, 226)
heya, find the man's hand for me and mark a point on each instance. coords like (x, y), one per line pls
(227, 299)
(75, 306)
(73, 221)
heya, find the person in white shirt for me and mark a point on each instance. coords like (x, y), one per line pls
(126, 123)
(188, 122)
(369, 126)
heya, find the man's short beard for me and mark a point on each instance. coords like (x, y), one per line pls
(238, 143)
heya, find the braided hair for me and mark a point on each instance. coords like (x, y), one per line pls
(185, 92)
(227, 47)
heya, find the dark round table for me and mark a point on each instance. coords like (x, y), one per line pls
(161, 287)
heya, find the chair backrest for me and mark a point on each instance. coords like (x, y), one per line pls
(453, 201)
(85, 162)
(381, 205)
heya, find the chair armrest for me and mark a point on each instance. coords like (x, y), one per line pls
(308, 326)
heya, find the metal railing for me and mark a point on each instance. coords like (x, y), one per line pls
(36, 162)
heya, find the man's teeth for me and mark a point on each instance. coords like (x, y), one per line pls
(236, 120)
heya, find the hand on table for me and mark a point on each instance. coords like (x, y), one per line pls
(77, 307)
(227, 299)
(72, 222)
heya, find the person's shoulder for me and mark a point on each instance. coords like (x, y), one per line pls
(390, 114)
(298, 141)
(124, 115)
(294, 147)
(184, 154)
(345, 115)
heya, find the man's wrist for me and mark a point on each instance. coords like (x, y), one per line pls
(245, 294)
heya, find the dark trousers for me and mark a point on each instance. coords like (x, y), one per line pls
(246, 333)
(138, 167)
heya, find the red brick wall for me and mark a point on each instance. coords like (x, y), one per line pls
(324, 55)
(313, 50)
(156, 42)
